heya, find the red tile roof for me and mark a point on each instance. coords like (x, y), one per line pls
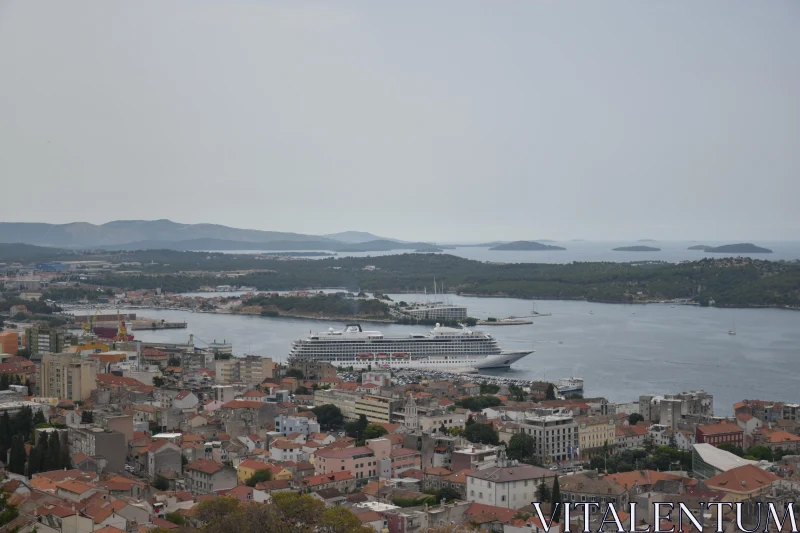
(205, 465)
(481, 513)
(344, 453)
(724, 427)
(243, 404)
(255, 465)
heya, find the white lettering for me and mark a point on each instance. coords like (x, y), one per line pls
(720, 512)
(614, 520)
(740, 522)
(772, 513)
(633, 521)
(658, 518)
(682, 509)
(587, 506)
(540, 515)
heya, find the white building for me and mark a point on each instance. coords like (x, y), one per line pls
(556, 436)
(288, 424)
(283, 450)
(512, 487)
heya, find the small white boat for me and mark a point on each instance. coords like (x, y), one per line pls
(732, 331)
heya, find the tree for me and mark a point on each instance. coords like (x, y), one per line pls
(447, 494)
(673, 442)
(556, 497)
(482, 433)
(52, 459)
(551, 392)
(356, 429)
(521, 447)
(9, 512)
(469, 421)
(175, 517)
(516, 393)
(174, 361)
(544, 491)
(87, 417)
(38, 418)
(648, 444)
(161, 483)
(635, 418)
(761, 453)
(489, 388)
(340, 520)
(329, 416)
(731, 448)
(16, 461)
(295, 373)
(37, 455)
(216, 508)
(374, 431)
(4, 382)
(302, 511)
(258, 477)
(6, 432)
(158, 381)
(24, 352)
(479, 403)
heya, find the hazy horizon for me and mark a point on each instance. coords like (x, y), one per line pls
(448, 122)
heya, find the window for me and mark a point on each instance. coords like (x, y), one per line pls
(502, 498)
(480, 495)
(472, 493)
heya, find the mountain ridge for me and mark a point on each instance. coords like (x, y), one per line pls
(119, 232)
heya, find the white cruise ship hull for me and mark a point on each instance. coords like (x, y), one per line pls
(459, 350)
(462, 363)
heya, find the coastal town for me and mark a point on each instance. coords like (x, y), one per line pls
(100, 432)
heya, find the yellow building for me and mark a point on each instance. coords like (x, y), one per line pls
(594, 432)
(248, 467)
(67, 377)
(375, 408)
(249, 369)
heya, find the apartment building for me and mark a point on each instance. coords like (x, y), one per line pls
(250, 369)
(360, 461)
(511, 487)
(353, 404)
(556, 436)
(67, 377)
(209, 477)
(594, 433)
(288, 424)
(44, 339)
(717, 434)
(107, 447)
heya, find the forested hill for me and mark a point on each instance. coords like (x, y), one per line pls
(732, 282)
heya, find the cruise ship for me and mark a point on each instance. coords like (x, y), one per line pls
(442, 348)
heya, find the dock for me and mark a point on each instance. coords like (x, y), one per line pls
(154, 324)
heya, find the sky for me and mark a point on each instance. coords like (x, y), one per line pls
(455, 120)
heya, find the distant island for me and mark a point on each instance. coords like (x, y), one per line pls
(526, 246)
(741, 248)
(636, 249)
(429, 249)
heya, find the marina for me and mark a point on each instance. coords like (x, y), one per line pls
(658, 348)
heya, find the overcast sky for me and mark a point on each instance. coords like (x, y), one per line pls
(448, 120)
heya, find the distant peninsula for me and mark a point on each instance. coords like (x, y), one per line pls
(741, 248)
(636, 249)
(526, 246)
(429, 249)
